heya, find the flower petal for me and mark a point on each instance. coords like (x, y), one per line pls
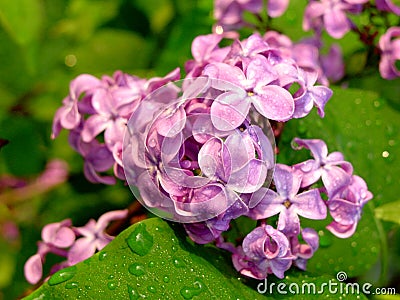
(229, 110)
(274, 102)
(81, 250)
(310, 205)
(33, 269)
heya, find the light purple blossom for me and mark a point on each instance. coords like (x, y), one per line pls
(60, 239)
(310, 95)
(388, 5)
(332, 63)
(68, 116)
(276, 8)
(346, 207)
(229, 13)
(230, 109)
(389, 44)
(265, 250)
(287, 202)
(305, 251)
(56, 238)
(334, 171)
(331, 15)
(93, 237)
(205, 50)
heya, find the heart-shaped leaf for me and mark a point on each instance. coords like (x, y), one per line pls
(154, 260)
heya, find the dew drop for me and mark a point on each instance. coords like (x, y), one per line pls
(174, 248)
(196, 289)
(112, 285)
(111, 276)
(62, 275)
(166, 279)
(133, 295)
(179, 263)
(140, 241)
(151, 264)
(152, 289)
(102, 255)
(71, 285)
(136, 269)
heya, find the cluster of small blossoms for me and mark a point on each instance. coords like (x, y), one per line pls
(335, 17)
(96, 112)
(198, 151)
(74, 243)
(268, 250)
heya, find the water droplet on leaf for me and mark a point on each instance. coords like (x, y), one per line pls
(112, 285)
(140, 241)
(196, 289)
(62, 275)
(179, 263)
(102, 255)
(71, 285)
(136, 269)
(133, 295)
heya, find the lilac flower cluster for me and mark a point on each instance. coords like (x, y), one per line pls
(268, 250)
(74, 243)
(201, 150)
(96, 112)
(335, 17)
(230, 13)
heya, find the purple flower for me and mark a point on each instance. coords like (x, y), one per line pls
(276, 8)
(94, 236)
(210, 230)
(310, 95)
(305, 251)
(227, 162)
(205, 50)
(230, 109)
(346, 207)
(98, 158)
(334, 171)
(229, 13)
(287, 202)
(332, 63)
(388, 5)
(242, 52)
(68, 116)
(389, 44)
(56, 238)
(265, 250)
(331, 14)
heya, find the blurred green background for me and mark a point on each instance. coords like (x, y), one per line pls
(44, 44)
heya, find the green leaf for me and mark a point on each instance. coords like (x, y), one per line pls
(24, 154)
(146, 260)
(22, 19)
(158, 12)
(389, 212)
(153, 259)
(84, 16)
(110, 50)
